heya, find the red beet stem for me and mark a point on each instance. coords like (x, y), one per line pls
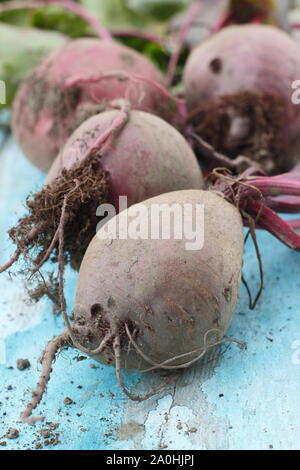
(267, 187)
(191, 14)
(295, 224)
(268, 220)
(284, 204)
(79, 79)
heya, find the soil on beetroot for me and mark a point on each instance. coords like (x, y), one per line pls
(60, 103)
(85, 186)
(264, 140)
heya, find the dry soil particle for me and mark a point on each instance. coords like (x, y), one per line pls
(12, 433)
(23, 364)
(68, 401)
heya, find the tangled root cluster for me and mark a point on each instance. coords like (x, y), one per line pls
(259, 137)
(85, 186)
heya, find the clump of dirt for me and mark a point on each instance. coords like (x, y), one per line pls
(246, 124)
(68, 401)
(23, 364)
(12, 433)
(68, 106)
(85, 186)
(48, 436)
(43, 96)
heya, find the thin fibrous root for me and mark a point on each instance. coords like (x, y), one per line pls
(234, 190)
(202, 351)
(192, 14)
(47, 359)
(12, 261)
(47, 254)
(31, 236)
(132, 396)
(46, 211)
(60, 230)
(251, 223)
(217, 158)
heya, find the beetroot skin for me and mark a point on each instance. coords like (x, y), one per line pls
(140, 293)
(149, 156)
(114, 153)
(53, 111)
(238, 87)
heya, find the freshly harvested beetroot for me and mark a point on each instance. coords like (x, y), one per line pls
(145, 302)
(238, 87)
(168, 303)
(112, 154)
(47, 110)
(191, 290)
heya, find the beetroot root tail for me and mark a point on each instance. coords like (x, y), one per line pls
(12, 261)
(52, 348)
(132, 396)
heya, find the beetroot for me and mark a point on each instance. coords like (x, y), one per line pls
(112, 154)
(238, 87)
(53, 110)
(151, 303)
(154, 304)
(147, 303)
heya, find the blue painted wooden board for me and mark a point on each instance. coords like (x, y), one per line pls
(241, 400)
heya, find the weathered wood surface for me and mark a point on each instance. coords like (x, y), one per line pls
(241, 400)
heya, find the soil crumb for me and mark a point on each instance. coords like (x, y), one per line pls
(23, 364)
(12, 433)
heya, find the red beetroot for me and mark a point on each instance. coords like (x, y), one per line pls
(114, 153)
(238, 87)
(154, 304)
(46, 110)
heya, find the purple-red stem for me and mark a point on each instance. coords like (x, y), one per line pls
(284, 204)
(192, 13)
(117, 124)
(268, 220)
(74, 81)
(267, 187)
